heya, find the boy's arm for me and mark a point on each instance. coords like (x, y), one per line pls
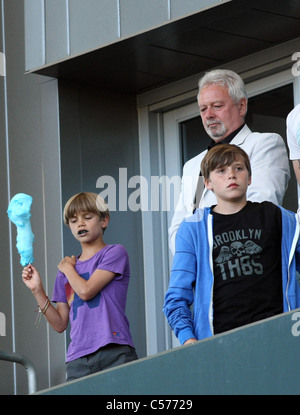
(177, 310)
(180, 295)
(85, 289)
(57, 317)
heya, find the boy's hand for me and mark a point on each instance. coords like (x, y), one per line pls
(31, 278)
(67, 263)
(190, 341)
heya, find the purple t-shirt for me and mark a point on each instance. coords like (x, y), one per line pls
(101, 320)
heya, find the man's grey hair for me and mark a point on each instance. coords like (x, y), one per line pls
(226, 78)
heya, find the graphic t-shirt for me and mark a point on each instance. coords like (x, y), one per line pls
(101, 320)
(247, 266)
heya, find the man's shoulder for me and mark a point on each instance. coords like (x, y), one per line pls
(249, 140)
(246, 133)
(259, 136)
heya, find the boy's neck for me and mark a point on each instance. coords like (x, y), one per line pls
(89, 250)
(229, 207)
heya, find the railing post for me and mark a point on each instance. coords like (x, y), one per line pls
(24, 361)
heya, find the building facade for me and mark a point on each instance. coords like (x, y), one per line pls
(100, 96)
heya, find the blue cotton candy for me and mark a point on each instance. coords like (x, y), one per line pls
(19, 213)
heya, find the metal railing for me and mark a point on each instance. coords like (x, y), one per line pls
(24, 361)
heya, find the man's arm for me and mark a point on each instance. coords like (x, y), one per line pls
(296, 166)
(179, 215)
(270, 168)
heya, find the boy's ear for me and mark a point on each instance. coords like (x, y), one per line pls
(207, 184)
(104, 222)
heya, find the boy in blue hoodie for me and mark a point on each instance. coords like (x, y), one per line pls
(235, 261)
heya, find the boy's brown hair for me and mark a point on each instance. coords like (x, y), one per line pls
(223, 155)
(85, 202)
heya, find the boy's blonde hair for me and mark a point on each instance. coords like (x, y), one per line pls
(223, 155)
(85, 202)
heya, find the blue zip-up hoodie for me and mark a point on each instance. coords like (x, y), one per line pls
(192, 276)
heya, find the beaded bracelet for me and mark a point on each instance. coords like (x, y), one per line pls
(41, 311)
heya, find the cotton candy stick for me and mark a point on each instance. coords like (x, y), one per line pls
(19, 213)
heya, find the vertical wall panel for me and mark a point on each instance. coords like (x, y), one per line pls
(24, 176)
(32, 132)
(93, 23)
(34, 34)
(57, 30)
(6, 342)
(52, 208)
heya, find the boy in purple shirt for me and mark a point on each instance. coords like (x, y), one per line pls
(90, 291)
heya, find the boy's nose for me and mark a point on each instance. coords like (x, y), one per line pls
(231, 172)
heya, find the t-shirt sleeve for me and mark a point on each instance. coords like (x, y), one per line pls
(115, 260)
(59, 292)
